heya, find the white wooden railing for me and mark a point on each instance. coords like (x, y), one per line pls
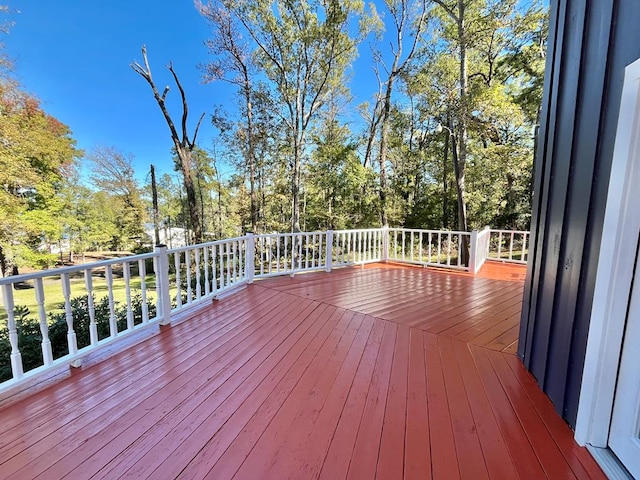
(508, 246)
(137, 292)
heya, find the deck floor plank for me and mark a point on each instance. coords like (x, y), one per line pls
(125, 426)
(193, 428)
(382, 371)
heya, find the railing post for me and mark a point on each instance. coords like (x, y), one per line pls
(473, 252)
(385, 243)
(16, 357)
(162, 285)
(329, 251)
(249, 257)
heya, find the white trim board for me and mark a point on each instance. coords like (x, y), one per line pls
(615, 272)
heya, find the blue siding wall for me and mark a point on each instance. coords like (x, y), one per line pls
(590, 44)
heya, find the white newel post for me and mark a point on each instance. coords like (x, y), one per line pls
(16, 358)
(162, 285)
(385, 243)
(250, 252)
(329, 250)
(473, 252)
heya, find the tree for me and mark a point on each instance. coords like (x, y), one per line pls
(36, 153)
(233, 64)
(303, 48)
(336, 193)
(402, 13)
(182, 143)
(113, 172)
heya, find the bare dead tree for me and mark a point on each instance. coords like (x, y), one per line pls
(183, 144)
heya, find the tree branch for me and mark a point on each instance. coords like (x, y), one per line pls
(447, 9)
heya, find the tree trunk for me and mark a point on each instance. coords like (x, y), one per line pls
(445, 182)
(184, 156)
(462, 121)
(3, 262)
(295, 183)
(154, 196)
(382, 154)
(251, 153)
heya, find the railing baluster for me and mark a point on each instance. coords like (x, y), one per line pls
(460, 248)
(511, 247)
(235, 249)
(187, 262)
(142, 270)
(449, 249)
(176, 262)
(524, 246)
(420, 247)
(306, 255)
(47, 355)
(68, 313)
(403, 243)
(499, 245)
(197, 266)
(411, 250)
(205, 265)
(228, 255)
(113, 325)
(16, 358)
(395, 244)
(126, 271)
(214, 268)
(93, 326)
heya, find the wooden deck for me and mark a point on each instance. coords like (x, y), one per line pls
(381, 372)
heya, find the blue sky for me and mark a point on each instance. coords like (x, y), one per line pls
(74, 55)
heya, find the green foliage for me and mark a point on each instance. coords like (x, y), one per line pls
(36, 153)
(30, 337)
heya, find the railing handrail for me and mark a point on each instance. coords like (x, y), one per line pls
(206, 244)
(51, 272)
(417, 230)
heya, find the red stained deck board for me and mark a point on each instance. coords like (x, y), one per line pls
(548, 453)
(292, 377)
(338, 457)
(556, 426)
(366, 449)
(391, 455)
(470, 456)
(139, 414)
(227, 450)
(499, 463)
(307, 443)
(417, 446)
(444, 460)
(184, 437)
(267, 450)
(524, 457)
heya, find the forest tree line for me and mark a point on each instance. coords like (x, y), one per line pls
(446, 140)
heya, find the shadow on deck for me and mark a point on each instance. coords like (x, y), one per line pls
(378, 372)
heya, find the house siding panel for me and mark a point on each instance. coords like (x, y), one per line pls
(590, 44)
